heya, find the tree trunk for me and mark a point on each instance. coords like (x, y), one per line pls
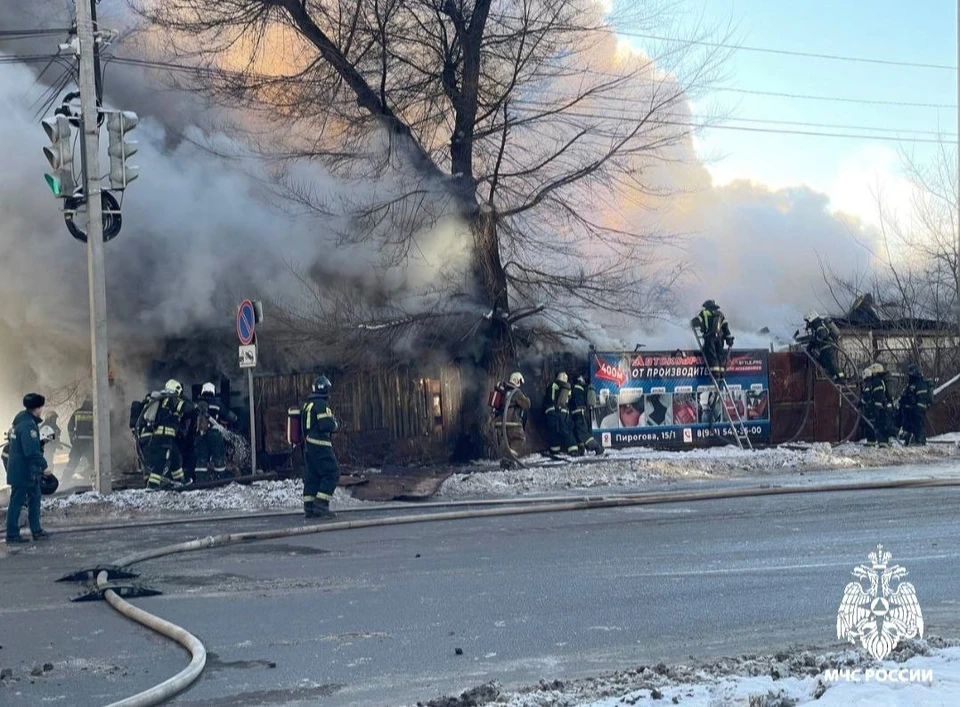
(486, 355)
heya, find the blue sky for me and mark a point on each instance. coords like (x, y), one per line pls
(844, 168)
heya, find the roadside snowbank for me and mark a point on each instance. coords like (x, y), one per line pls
(634, 467)
(787, 678)
(258, 496)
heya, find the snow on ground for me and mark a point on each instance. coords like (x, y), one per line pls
(634, 467)
(258, 496)
(782, 680)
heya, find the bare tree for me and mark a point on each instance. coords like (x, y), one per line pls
(517, 115)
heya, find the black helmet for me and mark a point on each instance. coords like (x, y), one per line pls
(321, 385)
(913, 370)
(710, 304)
(49, 484)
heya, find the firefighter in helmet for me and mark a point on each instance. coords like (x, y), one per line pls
(557, 408)
(158, 430)
(209, 448)
(912, 407)
(822, 339)
(579, 416)
(321, 471)
(876, 404)
(714, 332)
(80, 430)
(511, 419)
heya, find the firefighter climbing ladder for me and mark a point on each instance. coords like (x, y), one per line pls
(842, 390)
(728, 404)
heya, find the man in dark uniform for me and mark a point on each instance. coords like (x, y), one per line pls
(877, 404)
(25, 466)
(509, 422)
(210, 451)
(321, 471)
(912, 407)
(714, 333)
(579, 417)
(823, 339)
(158, 438)
(80, 431)
(557, 407)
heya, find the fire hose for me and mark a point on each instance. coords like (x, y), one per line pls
(183, 679)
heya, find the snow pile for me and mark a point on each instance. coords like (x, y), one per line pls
(787, 678)
(634, 467)
(258, 496)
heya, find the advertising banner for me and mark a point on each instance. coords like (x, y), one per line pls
(659, 397)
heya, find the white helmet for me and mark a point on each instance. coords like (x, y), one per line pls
(562, 377)
(208, 388)
(516, 379)
(872, 370)
(47, 434)
(173, 386)
(811, 316)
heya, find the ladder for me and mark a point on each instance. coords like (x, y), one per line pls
(729, 405)
(844, 390)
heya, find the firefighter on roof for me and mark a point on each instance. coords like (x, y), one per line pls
(823, 340)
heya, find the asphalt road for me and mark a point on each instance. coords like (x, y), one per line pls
(373, 616)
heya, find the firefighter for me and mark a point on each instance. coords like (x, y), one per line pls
(159, 432)
(912, 407)
(579, 417)
(210, 451)
(80, 431)
(877, 404)
(511, 419)
(557, 407)
(714, 332)
(25, 465)
(49, 450)
(823, 340)
(321, 472)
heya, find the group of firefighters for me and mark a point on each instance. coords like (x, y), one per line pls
(179, 441)
(905, 419)
(567, 407)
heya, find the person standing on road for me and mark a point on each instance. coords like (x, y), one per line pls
(80, 430)
(24, 468)
(321, 471)
(912, 406)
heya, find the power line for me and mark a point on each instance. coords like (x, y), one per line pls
(745, 128)
(786, 52)
(29, 33)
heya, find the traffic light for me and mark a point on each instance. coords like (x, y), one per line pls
(118, 125)
(60, 155)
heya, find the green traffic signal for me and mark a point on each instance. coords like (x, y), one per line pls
(53, 183)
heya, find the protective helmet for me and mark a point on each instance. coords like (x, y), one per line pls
(516, 379)
(562, 377)
(173, 386)
(321, 385)
(913, 370)
(581, 380)
(47, 434)
(872, 370)
(710, 304)
(811, 316)
(49, 484)
(208, 388)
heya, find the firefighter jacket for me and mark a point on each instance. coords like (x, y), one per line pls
(557, 397)
(578, 399)
(822, 333)
(516, 405)
(712, 325)
(875, 395)
(217, 411)
(318, 423)
(80, 426)
(25, 464)
(173, 415)
(917, 396)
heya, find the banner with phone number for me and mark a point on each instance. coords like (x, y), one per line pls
(662, 397)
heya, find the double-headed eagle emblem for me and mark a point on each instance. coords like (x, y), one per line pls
(880, 616)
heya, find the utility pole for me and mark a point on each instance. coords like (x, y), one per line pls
(90, 158)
